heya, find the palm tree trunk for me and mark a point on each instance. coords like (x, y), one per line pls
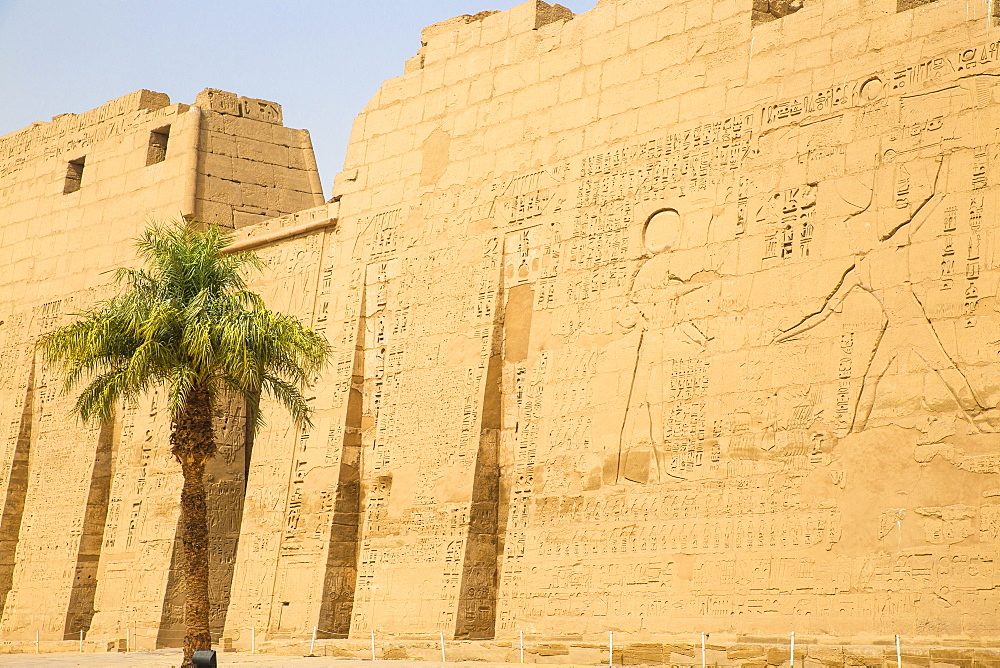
(193, 445)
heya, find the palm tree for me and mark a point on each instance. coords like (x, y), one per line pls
(187, 322)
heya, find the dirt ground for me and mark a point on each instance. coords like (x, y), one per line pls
(171, 657)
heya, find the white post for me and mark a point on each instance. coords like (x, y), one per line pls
(791, 652)
(611, 648)
(312, 643)
(81, 641)
(373, 644)
(703, 650)
(899, 655)
(36, 643)
(253, 639)
(521, 633)
(441, 634)
(128, 638)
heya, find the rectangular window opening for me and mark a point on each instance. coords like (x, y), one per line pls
(157, 151)
(770, 10)
(74, 175)
(903, 5)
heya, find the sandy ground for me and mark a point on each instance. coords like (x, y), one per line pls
(172, 657)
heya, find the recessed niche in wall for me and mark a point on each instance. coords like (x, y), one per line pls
(74, 175)
(157, 151)
(769, 10)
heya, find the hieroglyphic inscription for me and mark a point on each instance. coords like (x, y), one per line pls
(228, 103)
(525, 197)
(73, 133)
(973, 259)
(690, 160)
(788, 218)
(415, 444)
(733, 374)
(862, 91)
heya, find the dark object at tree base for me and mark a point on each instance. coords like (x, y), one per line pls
(204, 658)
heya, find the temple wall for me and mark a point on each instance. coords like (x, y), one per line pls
(89, 513)
(667, 318)
(301, 484)
(745, 306)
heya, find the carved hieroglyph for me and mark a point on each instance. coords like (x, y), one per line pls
(664, 318)
(88, 515)
(743, 330)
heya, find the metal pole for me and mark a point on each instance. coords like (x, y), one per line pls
(81, 641)
(521, 633)
(611, 648)
(36, 643)
(703, 650)
(791, 652)
(312, 643)
(899, 655)
(441, 634)
(373, 644)
(253, 639)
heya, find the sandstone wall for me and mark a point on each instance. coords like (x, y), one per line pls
(665, 318)
(89, 513)
(678, 318)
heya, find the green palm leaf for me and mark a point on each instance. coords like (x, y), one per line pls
(184, 320)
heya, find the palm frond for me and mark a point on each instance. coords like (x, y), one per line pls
(186, 319)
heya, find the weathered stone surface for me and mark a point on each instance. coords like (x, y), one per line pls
(89, 514)
(660, 319)
(744, 344)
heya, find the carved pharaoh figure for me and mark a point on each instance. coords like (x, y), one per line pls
(882, 269)
(654, 295)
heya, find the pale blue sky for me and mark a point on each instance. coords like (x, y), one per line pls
(321, 60)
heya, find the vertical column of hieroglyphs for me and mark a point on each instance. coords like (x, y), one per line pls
(476, 614)
(430, 298)
(517, 210)
(80, 613)
(339, 315)
(530, 262)
(319, 460)
(288, 285)
(300, 547)
(296, 593)
(139, 535)
(58, 485)
(226, 481)
(17, 390)
(374, 491)
(17, 409)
